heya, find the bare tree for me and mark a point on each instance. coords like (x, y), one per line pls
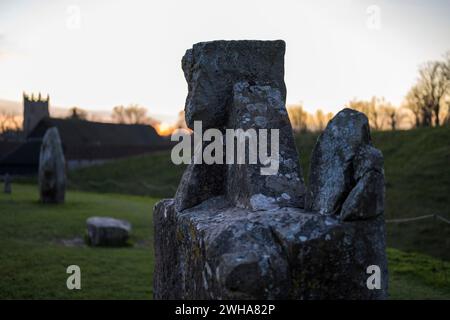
(373, 109)
(428, 97)
(77, 113)
(433, 85)
(9, 121)
(393, 115)
(414, 103)
(320, 119)
(118, 114)
(133, 114)
(446, 99)
(298, 117)
(181, 121)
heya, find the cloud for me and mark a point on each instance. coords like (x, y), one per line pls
(2, 45)
(5, 46)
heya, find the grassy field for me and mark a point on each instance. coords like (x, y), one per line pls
(152, 175)
(37, 244)
(417, 167)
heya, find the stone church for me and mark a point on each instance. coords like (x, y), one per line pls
(84, 142)
(34, 110)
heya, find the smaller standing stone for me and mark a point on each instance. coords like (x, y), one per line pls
(108, 232)
(52, 168)
(7, 181)
(346, 170)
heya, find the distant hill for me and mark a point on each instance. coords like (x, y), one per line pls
(417, 182)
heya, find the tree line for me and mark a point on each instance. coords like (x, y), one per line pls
(426, 104)
(429, 98)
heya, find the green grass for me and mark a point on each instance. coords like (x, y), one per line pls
(153, 175)
(417, 167)
(417, 276)
(33, 260)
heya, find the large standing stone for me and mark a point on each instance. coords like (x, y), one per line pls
(52, 168)
(212, 68)
(251, 238)
(240, 85)
(109, 232)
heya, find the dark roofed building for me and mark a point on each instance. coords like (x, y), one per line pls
(6, 146)
(22, 160)
(84, 143)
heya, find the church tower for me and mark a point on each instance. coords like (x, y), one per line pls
(34, 110)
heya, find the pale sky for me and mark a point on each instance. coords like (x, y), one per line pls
(96, 54)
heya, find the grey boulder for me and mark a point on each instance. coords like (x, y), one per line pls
(106, 231)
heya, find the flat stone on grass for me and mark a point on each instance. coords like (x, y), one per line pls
(107, 232)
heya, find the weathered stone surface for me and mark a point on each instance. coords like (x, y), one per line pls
(167, 270)
(234, 233)
(199, 182)
(366, 198)
(240, 85)
(52, 168)
(346, 169)
(217, 251)
(109, 232)
(263, 107)
(7, 184)
(212, 68)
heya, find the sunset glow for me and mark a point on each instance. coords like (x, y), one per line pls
(164, 129)
(97, 54)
